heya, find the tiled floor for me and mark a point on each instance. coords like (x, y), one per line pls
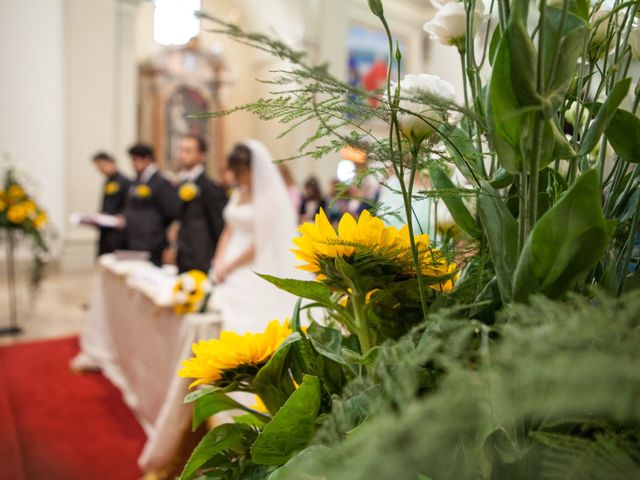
(58, 309)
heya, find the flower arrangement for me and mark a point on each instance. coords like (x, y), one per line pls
(510, 351)
(191, 292)
(21, 218)
(188, 191)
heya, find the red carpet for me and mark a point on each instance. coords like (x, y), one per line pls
(56, 425)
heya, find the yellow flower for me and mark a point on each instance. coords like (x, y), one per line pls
(368, 234)
(30, 207)
(17, 214)
(231, 351)
(259, 406)
(3, 204)
(40, 221)
(190, 291)
(112, 188)
(15, 192)
(143, 191)
(188, 192)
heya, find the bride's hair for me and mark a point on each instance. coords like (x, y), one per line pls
(239, 158)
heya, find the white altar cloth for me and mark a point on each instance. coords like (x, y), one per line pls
(134, 337)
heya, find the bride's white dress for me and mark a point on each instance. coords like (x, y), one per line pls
(246, 301)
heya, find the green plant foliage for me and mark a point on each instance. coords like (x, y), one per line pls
(291, 428)
(566, 242)
(544, 399)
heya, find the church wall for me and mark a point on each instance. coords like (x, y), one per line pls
(32, 130)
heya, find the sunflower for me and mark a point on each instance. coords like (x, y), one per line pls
(3, 203)
(212, 358)
(368, 235)
(111, 188)
(188, 192)
(143, 191)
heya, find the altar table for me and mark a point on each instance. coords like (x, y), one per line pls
(134, 337)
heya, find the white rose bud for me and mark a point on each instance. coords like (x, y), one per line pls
(413, 127)
(449, 26)
(571, 116)
(634, 42)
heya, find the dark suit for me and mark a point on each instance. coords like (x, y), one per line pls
(201, 224)
(114, 197)
(149, 216)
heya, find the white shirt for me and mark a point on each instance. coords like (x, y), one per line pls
(148, 172)
(192, 174)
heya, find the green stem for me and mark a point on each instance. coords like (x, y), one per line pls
(522, 212)
(359, 304)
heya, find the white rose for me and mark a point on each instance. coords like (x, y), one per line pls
(188, 283)
(413, 127)
(180, 297)
(205, 286)
(450, 23)
(634, 42)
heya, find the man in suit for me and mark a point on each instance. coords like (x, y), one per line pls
(114, 195)
(152, 204)
(201, 220)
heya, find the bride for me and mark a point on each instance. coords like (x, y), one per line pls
(260, 223)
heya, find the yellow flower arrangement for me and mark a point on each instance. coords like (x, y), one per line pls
(3, 203)
(320, 240)
(40, 220)
(143, 191)
(17, 214)
(111, 188)
(231, 351)
(190, 292)
(188, 192)
(15, 193)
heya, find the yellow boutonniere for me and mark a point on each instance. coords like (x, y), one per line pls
(143, 191)
(112, 188)
(188, 192)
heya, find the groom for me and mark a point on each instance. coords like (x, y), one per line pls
(201, 221)
(152, 204)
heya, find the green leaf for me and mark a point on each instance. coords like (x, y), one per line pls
(568, 43)
(463, 154)
(273, 382)
(604, 116)
(225, 437)
(523, 60)
(292, 428)
(327, 341)
(217, 402)
(315, 291)
(623, 134)
(568, 240)
(504, 116)
(502, 234)
(454, 203)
